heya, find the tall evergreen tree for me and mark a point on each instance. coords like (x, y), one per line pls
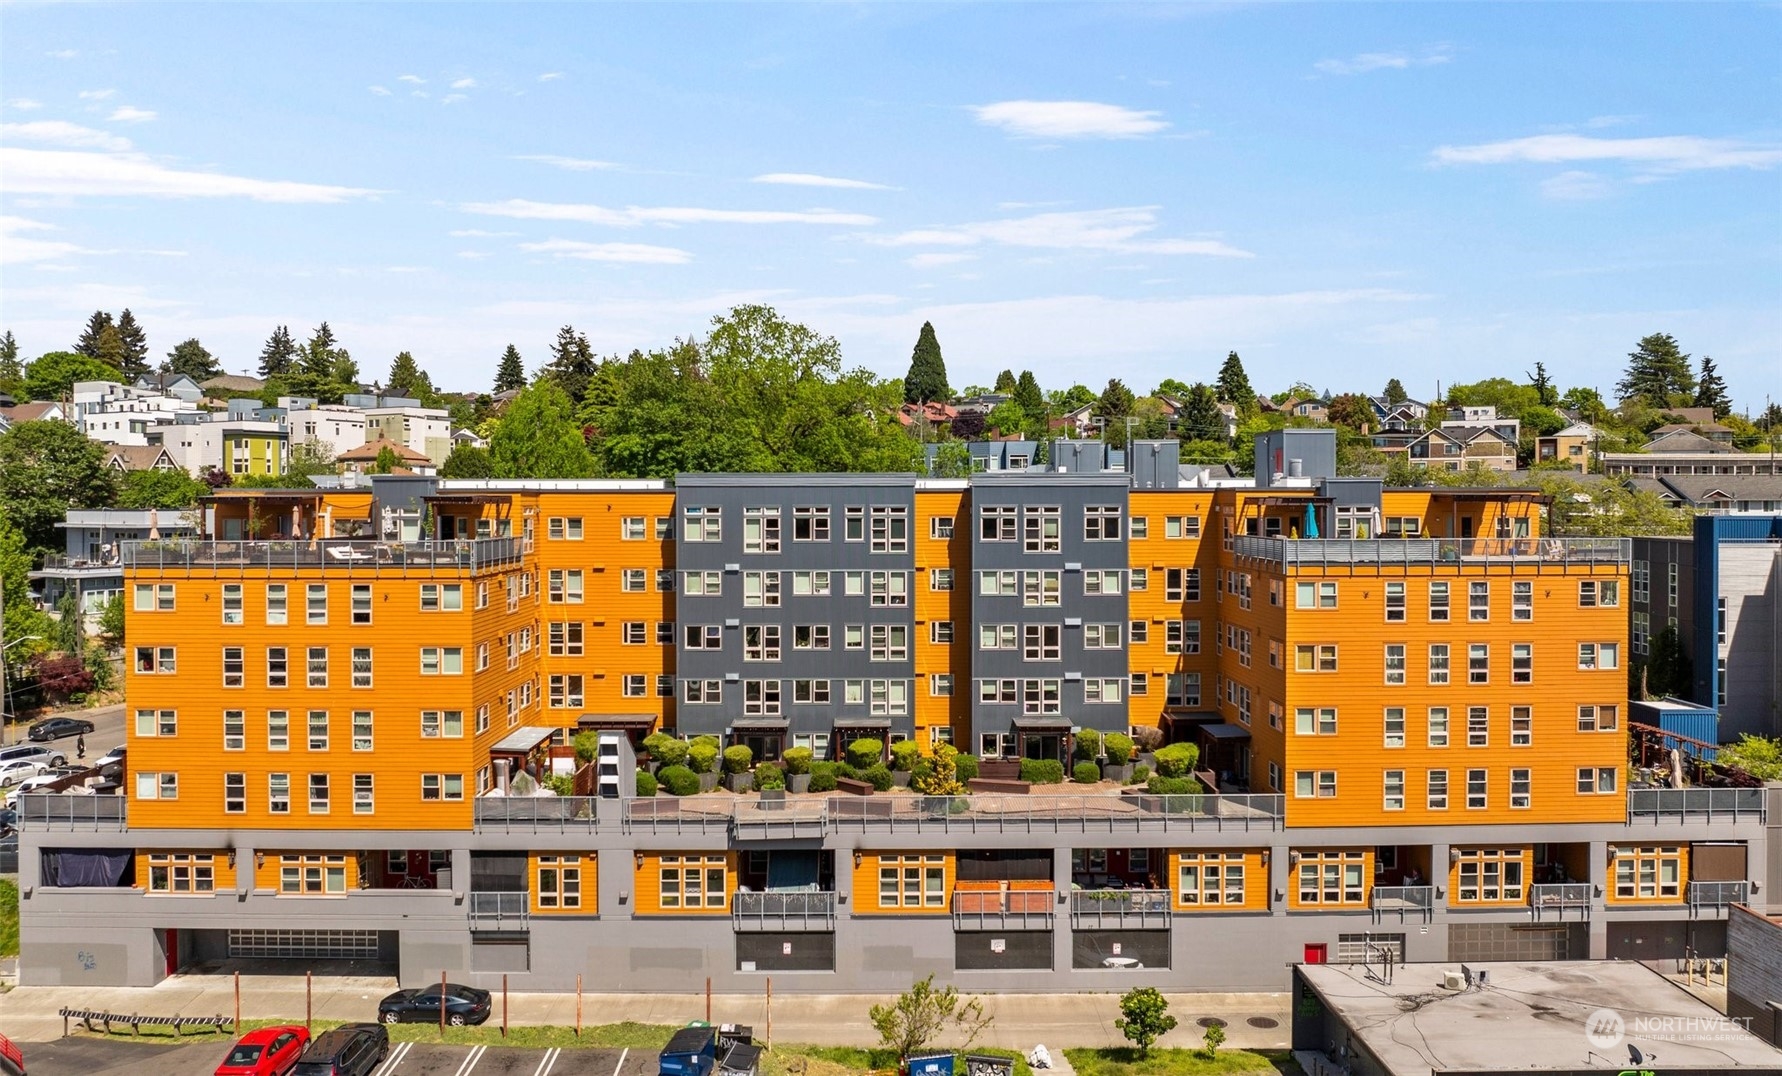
(318, 355)
(109, 349)
(1233, 385)
(11, 370)
(405, 376)
(1658, 373)
(1395, 392)
(135, 343)
(512, 372)
(279, 354)
(1029, 396)
(572, 363)
(927, 378)
(1200, 418)
(1116, 401)
(1005, 383)
(88, 344)
(1543, 385)
(1710, 389)
(193, 360)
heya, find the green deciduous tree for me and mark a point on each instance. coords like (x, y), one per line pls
(1759, 756)
(1059, 401)
(1233, 385)
(511, 374)
(1350, 410)
(52, 376)
(1657, 373)
(927, 378)
(192, 360)
(279, 355)
(133, 342)
(46, 468)
(923, 1014)
(1710, 389)
(111, 620)
(539, 437)
(1668, 670)
(159, 489)
(1144, 1017)
(22, 617)
(467, 461)
(88, 343)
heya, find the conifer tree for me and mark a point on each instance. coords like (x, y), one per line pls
(11, 370)
(319, 353)
(1710, 389)
(1233, 385)
(1005, 383)
(405, 376)
(1395, 392)
(512, 372)
(134, 341)
(1543, 385)
(193, 360)
(1658, 373)
(572, 363)
(927, 378)
(88, 344)
(1028, 395)
(279, 354)
(1200, 418)
(109, 349)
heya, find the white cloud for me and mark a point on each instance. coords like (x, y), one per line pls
(550, 76)
(62, 133)
(1123, 230)
(416, 79)
(473, 254)
(464, 84)
(423, 94)
(632, 216)
(1670, 153)
(96, 95)
(1575, 186)
(63, 54)
(453, 98)
(478, 233)
(807, 179)
(19, 249)
(632, 253)
(930, 261)
(1069, 119)
(380, 91)
(24, 104)
(1362, 63)
(130, 114)
(67, 173)
(568, 164)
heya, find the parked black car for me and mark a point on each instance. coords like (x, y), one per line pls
(348, 1050)
(58, 728)
(463, 1005)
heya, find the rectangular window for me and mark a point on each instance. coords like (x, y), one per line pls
(1314, 784)
(1101, 581)
(1395, 603)
(1438, 790)
(1438, 602)
(810, 523)
(560, 881)
(1041, 529)
(1102, 690)
(693, 881)
(1138, 579)
(1101, 523)
(1101, 636)
(565, 691)
(997, 523)
(318, 730)
(1478, 726)
(232, 607)
(316, 666)
(1599, 593)
(761, 530)
(1438, 663)
(1041, 642)
(155, 598)
(1395, 726)
(1209, 878)
(1648, 872)
(940, 631)
(1181, 689)
(234, 670)
(442, 597)
(1181, 526)
(1478, 663)
(1521, 789)
(1488, 875)
(1478, 601)
(1521, 663)
(171, 872)
(278, 667)
(1393, 798)
(1521, 726)
(316, 604)
(761, 642)
(635, 685)
(912, 881)
(1315, 658)
(1476, 798)
(940, 579)
(157, 723)
(1596, 781)
(1315, 721)
(156, 660)
(318, 793)
(313, 875)
(1438, 726)
(564, 528)
(442, 660)
(235, 793)
(761, 589)
(1395, 663)
(810, 691)
(890, 529)
(278, 793)
(1332, 878)
(442, 786)
(1521, 601)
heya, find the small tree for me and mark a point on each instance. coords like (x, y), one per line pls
(1144, 1017)
(943, 778)
(111, 621)
(922, 1014)
(1214, 1038)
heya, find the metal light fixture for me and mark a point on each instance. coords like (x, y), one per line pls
(1293, 857)
(259, 859)
(640, 861)
(231, 859)
(858, 857)
(1265, 857)
(1454, 855)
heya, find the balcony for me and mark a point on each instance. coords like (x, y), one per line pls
(770, 816)
(1003, 909)
(500, 912)
(1695, 805)
(1119, 909)
(63, 566)
(51, 812)
(1418, 900)
(671, 814)
(803, 910)
(347, 555)
(1534, 554)
(536, 814)
(1042, 814)
(1713, 897)
(1557, 898)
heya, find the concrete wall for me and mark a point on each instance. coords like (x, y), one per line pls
(1754, 973)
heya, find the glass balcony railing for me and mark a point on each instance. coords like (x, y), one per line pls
(1558, 898)
(1656, 805)
(1290, 553)
(499, 911)
(345, 554)
(1718, 894)
(791, 910)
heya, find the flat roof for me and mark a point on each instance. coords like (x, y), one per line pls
(1530, 1015)
(523, 739)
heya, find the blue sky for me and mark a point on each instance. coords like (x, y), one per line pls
(1339, 193)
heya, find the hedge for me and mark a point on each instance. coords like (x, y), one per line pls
(1177, 760)
(738, 758)
(1118, 747)
(904, 755)
(1159, 785)
(966, 766)
(1086, 773)
(798, 760)
(679, 780)
(1042, 771)
(822, 777)
(863, 753)
(646, 783)
(769, 776)
(878, 775)
(1088, 746)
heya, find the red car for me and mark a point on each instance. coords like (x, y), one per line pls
(269, 1051)
(12, 1063)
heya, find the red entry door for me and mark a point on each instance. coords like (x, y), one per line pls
(171, 935)
(1316, 952)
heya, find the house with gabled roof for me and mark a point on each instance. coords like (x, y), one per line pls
(1453, 448)
(1571, 445)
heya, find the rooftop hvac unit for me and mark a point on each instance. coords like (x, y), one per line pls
(1453, 980)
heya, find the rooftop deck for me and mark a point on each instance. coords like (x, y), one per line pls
(351, 555)
(1537, 554)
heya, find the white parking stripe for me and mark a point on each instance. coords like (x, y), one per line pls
(547, 1062)
(476, 1055)
(395, 1058)
(621, 1064)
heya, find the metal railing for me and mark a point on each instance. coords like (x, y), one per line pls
(802, 910)
(500, 911)
(54, 811)
(996, 813)
(1403, 899)
(676, 814)
(535, 814)
(1717, 895)
(62, 562)
(1004, 909)
(1113, 909)
(1290, 553)
(1559, 897)
(346, 554)
(770, 816)
(1696, 804)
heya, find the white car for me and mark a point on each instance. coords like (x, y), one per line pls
(38, 783)
(11, 773)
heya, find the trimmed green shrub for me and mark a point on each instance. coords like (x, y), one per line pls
(904, 756)
(587, 745)
(1086, 773)
(701, 757)
(878, 775)
(1159, 785)
(922, 772)
(562, 784)
(798, 760)
(842, 769)
(863, 753)
(1088, 745)
(1042, 771)
(822, 777)
(769, 777)
(1177, 760)
(738, 758)
(1118, 747)
(966, 766)
(1140, 774)
(666, 749)
(679, 780)
(646, 783)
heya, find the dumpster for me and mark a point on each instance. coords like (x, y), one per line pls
(931, 1065)
(691, 1051)
(741, 1059)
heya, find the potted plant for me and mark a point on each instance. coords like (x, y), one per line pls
(798, 769)
(737, 762)
(904, 756)
(1118, 748)
(702, 759)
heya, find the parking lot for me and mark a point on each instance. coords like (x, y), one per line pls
(82, 1056)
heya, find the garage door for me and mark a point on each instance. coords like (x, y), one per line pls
(307, 944)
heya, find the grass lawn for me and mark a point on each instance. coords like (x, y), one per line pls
(9, 918)
(1124, 1061)
(795, 1059)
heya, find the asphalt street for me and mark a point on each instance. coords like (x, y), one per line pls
(112, 1057)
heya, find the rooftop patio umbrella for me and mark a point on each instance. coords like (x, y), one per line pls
(1311, 522)
(154, 525)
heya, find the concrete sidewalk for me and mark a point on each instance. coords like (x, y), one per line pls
(1021, 1020)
